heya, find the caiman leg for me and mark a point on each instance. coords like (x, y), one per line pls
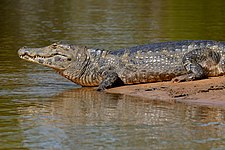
(195, 72)
(192, 62)
(110, 79)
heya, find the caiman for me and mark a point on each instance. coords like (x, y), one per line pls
(177, 61)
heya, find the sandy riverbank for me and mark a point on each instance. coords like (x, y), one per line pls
(210, 92)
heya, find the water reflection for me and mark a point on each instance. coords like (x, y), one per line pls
(85, 118)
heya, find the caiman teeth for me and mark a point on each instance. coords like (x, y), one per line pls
(38, 56)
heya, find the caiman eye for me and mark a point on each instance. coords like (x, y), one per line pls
(69, 59)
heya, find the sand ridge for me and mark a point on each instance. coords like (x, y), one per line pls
(210, 92)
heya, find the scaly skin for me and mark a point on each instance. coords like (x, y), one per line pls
(176, 61)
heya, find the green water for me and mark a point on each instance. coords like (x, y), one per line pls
(41, 110)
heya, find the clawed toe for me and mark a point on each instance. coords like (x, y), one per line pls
(176, 80)
(181, 78)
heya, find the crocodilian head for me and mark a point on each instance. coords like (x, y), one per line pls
(58, 56)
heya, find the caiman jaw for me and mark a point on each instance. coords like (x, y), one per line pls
(54, 60)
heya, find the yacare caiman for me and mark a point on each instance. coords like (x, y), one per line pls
(177, 61)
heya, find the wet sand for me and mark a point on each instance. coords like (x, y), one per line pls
(210, 92)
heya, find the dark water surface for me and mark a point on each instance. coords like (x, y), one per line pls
(41, 110)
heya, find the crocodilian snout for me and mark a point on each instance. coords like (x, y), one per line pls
(23, 51)
(53, 58)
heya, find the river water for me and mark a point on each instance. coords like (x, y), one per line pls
(41, 110)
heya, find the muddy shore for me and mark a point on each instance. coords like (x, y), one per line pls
(210, 92)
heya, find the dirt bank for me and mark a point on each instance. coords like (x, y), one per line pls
(210, 92)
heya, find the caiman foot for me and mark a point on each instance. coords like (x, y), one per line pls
(183, 78)
(111, 79)
(188, 77)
